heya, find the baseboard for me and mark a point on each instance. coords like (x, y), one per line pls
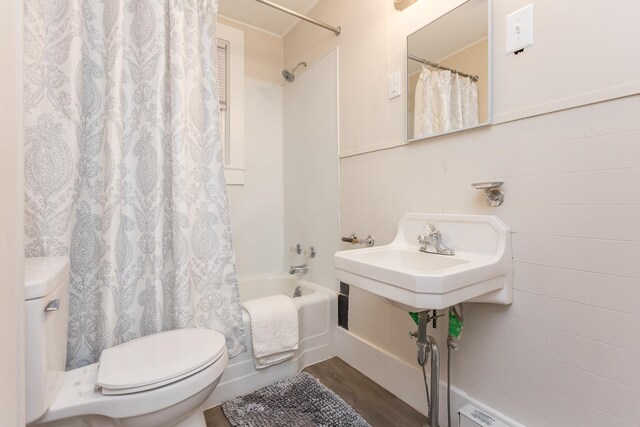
(402, 379)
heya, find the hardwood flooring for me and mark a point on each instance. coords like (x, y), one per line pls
(215, 417)
(379, 407)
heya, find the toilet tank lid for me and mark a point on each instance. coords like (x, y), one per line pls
(42, 275)
(158, 358)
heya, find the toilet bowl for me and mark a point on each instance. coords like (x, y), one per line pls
(153, 381)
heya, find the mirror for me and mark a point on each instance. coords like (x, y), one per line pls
(449, 73)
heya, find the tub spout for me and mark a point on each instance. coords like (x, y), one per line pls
(297, 293)
(304, 269)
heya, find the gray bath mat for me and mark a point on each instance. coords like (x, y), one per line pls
(301, 401)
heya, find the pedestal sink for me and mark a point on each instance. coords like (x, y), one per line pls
(480, 271)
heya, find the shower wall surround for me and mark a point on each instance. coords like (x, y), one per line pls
(311, 168)
(257, 207)
(564, 353)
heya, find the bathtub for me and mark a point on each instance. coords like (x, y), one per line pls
(317, 319)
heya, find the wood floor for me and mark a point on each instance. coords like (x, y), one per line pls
(379, 407)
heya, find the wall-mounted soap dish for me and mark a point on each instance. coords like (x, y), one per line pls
(492, 191)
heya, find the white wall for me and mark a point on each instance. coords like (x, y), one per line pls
(580, 55)
(263, 51)
(569, 343)
(567, 352)
(11, 289)
(311, 168)
(577, 58)
(257, 207)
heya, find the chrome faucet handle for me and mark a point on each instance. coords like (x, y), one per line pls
(431, 242)
(430, 228)
(311, 252)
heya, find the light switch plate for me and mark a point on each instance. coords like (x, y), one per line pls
(520, 29)
(394, 85)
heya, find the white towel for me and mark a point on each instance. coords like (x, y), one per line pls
(274, 329)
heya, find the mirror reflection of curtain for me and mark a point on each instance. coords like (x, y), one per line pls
(444, 102)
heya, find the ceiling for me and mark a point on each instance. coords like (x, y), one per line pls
(262, 16)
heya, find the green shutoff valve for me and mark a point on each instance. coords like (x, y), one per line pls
(414, 316)
(455, 326)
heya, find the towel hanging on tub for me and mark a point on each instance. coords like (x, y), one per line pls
(274, 329)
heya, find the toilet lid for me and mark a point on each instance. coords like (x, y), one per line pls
(158, 359)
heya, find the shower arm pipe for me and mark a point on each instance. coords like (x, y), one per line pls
(441, 67)
(336, 30)
(298, 66)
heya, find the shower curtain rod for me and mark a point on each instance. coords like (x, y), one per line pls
(336, 30)
(442, 67)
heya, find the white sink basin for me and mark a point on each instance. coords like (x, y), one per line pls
(403, 259)
(480, 271)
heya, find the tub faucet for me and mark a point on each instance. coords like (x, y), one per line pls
(297, 293)
(304, 269)
(431, 242)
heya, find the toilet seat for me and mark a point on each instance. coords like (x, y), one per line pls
(130, 390)
(80, 395)
(157, 360)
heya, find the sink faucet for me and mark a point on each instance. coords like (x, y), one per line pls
(304, 269)
(431, 242)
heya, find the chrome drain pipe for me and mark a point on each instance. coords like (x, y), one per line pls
(427, 344)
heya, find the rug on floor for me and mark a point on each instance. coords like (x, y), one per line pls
(300, 401)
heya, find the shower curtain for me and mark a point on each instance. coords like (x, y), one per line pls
(123, 168)
(444, 102)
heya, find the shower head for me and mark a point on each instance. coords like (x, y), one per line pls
(290, 75)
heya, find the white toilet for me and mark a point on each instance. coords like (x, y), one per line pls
(157, 380)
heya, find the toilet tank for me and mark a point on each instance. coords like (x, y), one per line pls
(46, 294)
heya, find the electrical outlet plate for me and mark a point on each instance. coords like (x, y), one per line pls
(519, 29)
(394, 85)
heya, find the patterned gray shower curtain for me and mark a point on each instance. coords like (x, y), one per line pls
(124, 169)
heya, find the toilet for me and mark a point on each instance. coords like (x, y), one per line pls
(153, 381)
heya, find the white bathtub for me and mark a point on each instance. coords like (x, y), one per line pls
(317, 317)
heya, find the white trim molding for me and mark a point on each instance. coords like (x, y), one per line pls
(12, 356)
(234, 170)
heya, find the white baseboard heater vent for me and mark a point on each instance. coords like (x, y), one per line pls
(472, 416)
